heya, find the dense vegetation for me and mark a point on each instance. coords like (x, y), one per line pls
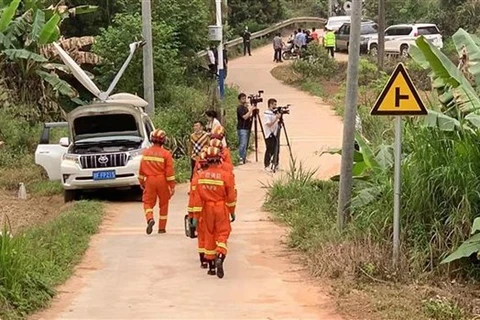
(439, 170)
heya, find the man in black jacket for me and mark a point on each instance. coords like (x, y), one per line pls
(246, 41)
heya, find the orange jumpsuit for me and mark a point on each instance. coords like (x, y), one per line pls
(157, 176)
(217, 200)
(227, 162)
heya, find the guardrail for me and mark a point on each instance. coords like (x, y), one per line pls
(269, 30)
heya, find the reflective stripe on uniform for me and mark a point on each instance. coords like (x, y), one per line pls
(163, 217)
(148, 210)
(189, 209)
(197, 209)
(210, 252)
(172, 178)
(211, 182)
(201, 250)
(222, 245)
(231, 204)
(153, 159)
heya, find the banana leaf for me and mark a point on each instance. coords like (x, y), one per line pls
(466, 249)
(8, 13)
(50, 31)
(366, 196)
(475, 226)
(23, 54)
(436, 119)
(38, 24)
(452, 79)
(463, 38)
(385, 156)
(368, 154)
(58, 84)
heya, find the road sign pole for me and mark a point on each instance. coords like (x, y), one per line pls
(397, 189)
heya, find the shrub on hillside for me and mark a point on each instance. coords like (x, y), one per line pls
(317, 63)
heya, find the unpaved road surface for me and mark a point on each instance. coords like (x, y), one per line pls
(129, 275)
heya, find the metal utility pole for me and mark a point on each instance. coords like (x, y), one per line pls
(148, 80)
(346, 179)
(221, 71)
(381, 33)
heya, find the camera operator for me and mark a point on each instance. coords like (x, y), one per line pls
(270, 120)
(244, 125)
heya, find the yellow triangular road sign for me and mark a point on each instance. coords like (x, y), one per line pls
(399, 97)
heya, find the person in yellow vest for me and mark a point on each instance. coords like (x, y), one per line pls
(329, 40)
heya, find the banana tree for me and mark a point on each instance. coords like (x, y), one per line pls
(24, 38)
(469, 247)
(456, 95)
(369, 166)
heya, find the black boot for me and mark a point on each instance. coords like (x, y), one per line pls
(203, 262)
(211, 268)
(150, 225)
(219, 265)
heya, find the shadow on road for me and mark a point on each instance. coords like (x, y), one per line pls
(113, 195)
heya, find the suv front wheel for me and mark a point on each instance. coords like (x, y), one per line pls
(70, 195)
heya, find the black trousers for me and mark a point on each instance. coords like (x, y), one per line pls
(192, 164)
(331, 50)
(278, 55)
(271, 143)
(246, 47)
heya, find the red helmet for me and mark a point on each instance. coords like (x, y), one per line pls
(218, 132)
(212, 153)
(158, 136)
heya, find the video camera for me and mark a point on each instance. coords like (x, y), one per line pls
(282, 110)
(256, 98)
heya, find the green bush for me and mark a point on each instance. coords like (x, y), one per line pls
(34, 262)
(317, 63)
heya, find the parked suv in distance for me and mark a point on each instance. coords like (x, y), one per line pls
(104, 150)
(368, 30)
(399, 38)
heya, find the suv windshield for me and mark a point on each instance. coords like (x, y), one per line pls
(108, 125)
(370, 28)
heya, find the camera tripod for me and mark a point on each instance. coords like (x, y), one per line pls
(276, 160)
(256, 122)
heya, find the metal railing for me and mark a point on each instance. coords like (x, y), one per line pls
(271, 29)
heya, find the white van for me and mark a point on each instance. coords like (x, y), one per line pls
(334, 23)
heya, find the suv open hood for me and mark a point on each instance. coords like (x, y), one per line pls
(99, 111)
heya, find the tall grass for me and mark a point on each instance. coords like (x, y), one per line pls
(33, 262)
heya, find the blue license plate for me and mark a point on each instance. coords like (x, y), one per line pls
(104, 175)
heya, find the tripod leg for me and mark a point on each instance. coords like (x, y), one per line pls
(256, 138)
(276, 155)
(288, 144)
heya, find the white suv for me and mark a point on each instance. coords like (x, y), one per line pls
(104, 150)
(107, 138)
(399, 38)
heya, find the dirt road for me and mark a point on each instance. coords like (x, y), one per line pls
(129, 275)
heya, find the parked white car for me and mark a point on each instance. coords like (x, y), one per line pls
(399, 38)
(106, 138)
(104, 149)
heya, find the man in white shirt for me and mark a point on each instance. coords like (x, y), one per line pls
(270, 127)
(211, 60)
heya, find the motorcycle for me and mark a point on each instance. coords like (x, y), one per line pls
(290, 52)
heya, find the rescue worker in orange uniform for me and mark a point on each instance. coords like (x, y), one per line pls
(216, 200)
(218, 133)
(157, 179)
(194, 213)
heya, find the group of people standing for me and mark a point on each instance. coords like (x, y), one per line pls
(212, 195)
(298, 41)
